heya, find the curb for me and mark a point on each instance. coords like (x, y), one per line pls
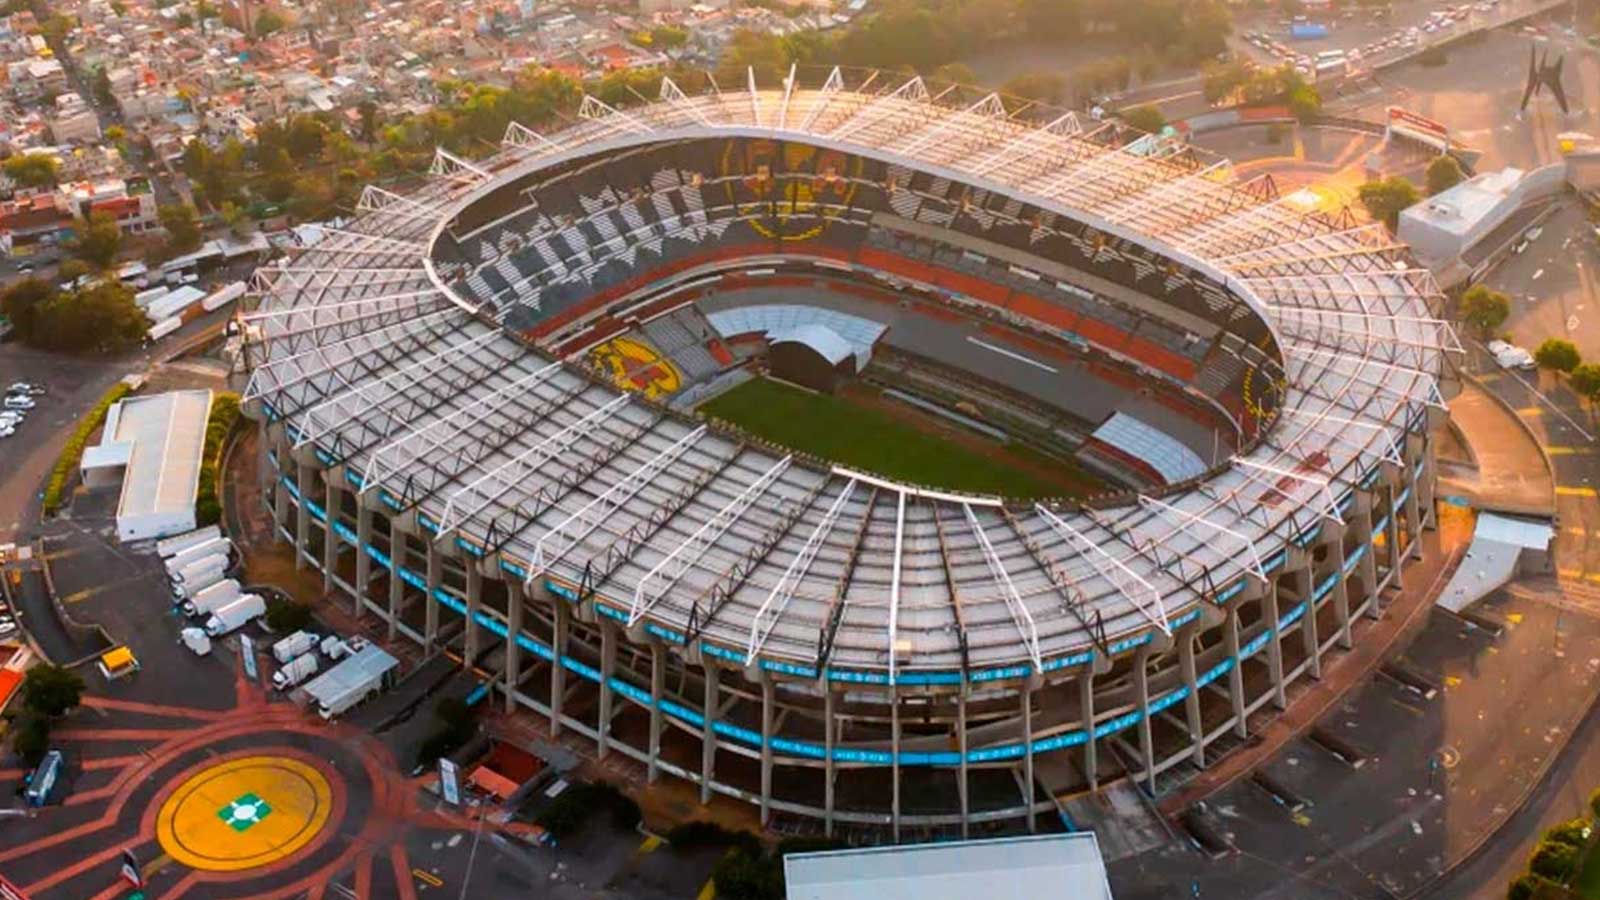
(1544, 452)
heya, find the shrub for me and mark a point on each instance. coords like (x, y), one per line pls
(568, 813)
(207, 501)
(1594, 802)
(1526, 887)
(31, 738)
(742, 875)
(1573, 832)
(285, 616)
(73, 451)
(1554, 860)
(49, 691)
(699, 835)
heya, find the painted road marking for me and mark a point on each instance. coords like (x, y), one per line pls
(427, 878)
(244, 813)
(1530, 411)
(1016, 356)
(1569, 451)
(1563, 490)
(708, 891)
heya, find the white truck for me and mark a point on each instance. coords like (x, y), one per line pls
(176, 563)
(197, 576)
(172, 546)
(213, 598)
(356, 679)
(292, 646)
(235, 615)
(295, 671)
(196, 640)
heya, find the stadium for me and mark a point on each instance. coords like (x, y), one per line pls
(572, 412)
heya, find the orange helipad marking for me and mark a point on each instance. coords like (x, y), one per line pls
(244, 813)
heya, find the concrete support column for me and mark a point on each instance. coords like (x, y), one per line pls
(1191, 700)
(608, 669)
(397, 585)
(1027, 756)
(558, 651)
(961, 747)
(1141, 687)
(1270, 611)
(513, 648)
(1392, 530)
(363, 559)
(1307, 582)
(766, 749)
(1230, 639)
(1091, 761)
(430, 603)
(708, 740)
(894, 763)
(280, 506)
(266, 474)
(470, 643)
(330, 538)
(302, 520)
(658, 679)
(1341, 593)
(830, 731)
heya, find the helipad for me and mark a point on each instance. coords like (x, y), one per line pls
(244, 813)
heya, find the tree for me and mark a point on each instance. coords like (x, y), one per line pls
(1443, 174)
(30, 738)
(1145, 118)
(100, 241)
(101, 316)
(1585, 381)
(267, 22)
(1225, 78)
(1555, 860)
(51, 691)
(183, 227)
(1573, 831)
(34, 170)
(1557, 355)
(22, 302)
(369, 120)
(1385, 199)
(1484, 309)
(1045, 87)
(116, 133)
(233, 216)
(102, 88)
(285, 616)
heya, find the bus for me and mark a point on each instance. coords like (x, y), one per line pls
(44, 779)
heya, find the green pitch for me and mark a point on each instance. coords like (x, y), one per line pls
(860, 437)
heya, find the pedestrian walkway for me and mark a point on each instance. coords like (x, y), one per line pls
(1507, 472)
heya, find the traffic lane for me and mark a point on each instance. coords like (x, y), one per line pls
(44, 624)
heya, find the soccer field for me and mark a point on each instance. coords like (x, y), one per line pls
(860, 437)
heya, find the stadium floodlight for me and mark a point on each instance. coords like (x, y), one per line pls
(772, 608)
(681, 558)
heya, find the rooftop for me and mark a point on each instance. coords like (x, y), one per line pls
(160, 440)
(1057, 865)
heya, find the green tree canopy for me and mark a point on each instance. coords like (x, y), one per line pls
(1145, 118)
(1384, 199)
(1045, 87)
(1484, 309)
(23, 302)
(1443, 174)
(101, 316)
(99, 241)
(50, 690)
(33, 170)
(183, 227)
(1557, 355)
(1585, 381)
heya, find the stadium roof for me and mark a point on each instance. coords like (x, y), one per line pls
(361, 344)
(1018, 868)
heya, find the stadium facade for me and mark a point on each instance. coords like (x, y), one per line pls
(828, 644)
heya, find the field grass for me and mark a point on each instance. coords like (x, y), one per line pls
(862, 438)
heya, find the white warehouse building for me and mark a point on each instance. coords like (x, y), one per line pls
(155, 445)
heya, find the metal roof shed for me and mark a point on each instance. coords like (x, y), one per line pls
(1021, 868)
(156, 444)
